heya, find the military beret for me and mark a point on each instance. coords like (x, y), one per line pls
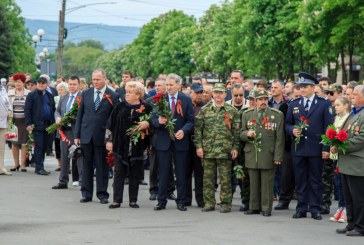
(260, 94)
(219, 87)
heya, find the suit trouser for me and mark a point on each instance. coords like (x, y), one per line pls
(194, 165)
(121, 171)
(224, 168)
(65, 161)
(153, 174)
(97, 153)
(287, 180)
(164, 161)
(327, 183)
(354, 200)
(40, 142)
(261, 189)
(308, 177)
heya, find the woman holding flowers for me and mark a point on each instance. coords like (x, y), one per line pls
(126, 137)
(342, 108)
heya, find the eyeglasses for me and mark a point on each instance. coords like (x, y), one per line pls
(199, 92)
(329, 93)
(240, 95)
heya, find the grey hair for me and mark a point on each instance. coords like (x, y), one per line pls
(103, 72)
(361, 89)
(237, 86)
(280, 82)
(175, 77)
(352, 84)
(62, 85)
(249, 81)
(161, 80)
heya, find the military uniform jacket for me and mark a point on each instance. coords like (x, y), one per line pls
(272, 141)
(216, 131)
(352, 162)
(320, 116)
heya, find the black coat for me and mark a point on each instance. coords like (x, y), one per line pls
(121, 119)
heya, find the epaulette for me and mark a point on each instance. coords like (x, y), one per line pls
(276, 110)
(250, 109)
(298, 98)
(320, 97)
(206, 105)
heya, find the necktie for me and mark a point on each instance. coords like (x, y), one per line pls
(69, 104)
(173, 105)
(260, 116)
(97, 101)
(306, 106)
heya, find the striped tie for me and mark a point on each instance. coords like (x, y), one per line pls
(97, 101)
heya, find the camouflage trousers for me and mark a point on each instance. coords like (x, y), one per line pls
(327, 183)
(224, 168)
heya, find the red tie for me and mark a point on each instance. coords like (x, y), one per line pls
(173, 105)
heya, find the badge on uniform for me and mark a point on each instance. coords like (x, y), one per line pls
(357, 130)
(296, 110)
(330, 110)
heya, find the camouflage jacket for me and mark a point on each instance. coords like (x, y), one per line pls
(217, 131)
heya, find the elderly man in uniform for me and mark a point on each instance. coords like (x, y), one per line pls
(308, 154)
(216, 143)
(263, 132)
(352, 167)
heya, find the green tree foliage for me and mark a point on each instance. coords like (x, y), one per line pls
(80, 59)
(112, 63)
(16, 51)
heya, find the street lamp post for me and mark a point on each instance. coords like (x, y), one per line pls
(38, 37)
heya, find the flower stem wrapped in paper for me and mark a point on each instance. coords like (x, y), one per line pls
(11, 133)
(161, 108)
(69, 117)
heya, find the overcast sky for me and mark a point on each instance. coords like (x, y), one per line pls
(120, 13)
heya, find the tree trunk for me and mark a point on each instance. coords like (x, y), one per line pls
(344, 77)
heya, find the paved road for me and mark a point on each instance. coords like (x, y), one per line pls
(32, 213)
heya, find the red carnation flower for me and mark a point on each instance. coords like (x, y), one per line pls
(302, 118)
(342, 135)
(307, 121)
(331, 133)
(157, 97)
(254, 121)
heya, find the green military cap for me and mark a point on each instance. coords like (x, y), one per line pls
(251, 94)
(260, 94)
(219, 87)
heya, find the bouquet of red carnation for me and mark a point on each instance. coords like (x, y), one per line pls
(69, 117)
(110, 159)
(304, 123)
(161, 108)
(335, 137)
(257, 140)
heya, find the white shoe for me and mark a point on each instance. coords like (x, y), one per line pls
(337, 215)
(343, 217)
(75, 183)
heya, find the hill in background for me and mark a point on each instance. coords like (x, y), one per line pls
(112, 37)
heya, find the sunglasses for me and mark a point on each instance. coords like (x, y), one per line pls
(329, 93)
(240, 95)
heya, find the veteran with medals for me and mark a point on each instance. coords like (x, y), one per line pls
(263, 133)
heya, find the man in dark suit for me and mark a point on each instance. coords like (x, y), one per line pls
(39, 110)
(182, 111)
(351, 166)
(96, 106)
(65, 104)
(308, 154)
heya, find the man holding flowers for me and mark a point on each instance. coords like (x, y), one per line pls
(307, 152)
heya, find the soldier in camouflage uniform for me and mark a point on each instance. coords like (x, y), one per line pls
(217, 143)
(263, 133)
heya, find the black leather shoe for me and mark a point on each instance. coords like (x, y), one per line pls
(104, 201)
(325, 211)
(341, 231)
(114, 205)
(159, 207)
(42, 172)
(354, 233)
(208, 209)
(251, 211)
(316, 216)
(201, 205)
(281, 206)
(171, 196)
(142, 182)
(267, 213)
(59, 186)
(181, 207)
(153, 197)
(133, 205)
(244, 207)
(84, 200)
(188, 204)
(299, 215)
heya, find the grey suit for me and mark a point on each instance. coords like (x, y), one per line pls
(68, 131)
(351, 166)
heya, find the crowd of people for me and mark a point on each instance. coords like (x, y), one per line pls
(263, 138)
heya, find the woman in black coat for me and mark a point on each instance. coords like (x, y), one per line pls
(128, 155)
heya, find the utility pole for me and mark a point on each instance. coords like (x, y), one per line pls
(62, 14)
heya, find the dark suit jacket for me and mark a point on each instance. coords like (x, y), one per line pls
(91, 124)
(62, 106)
(185, 123)
(320, 116)
(34, 110)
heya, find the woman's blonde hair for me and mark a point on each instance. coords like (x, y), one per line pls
(136, 87)
(345, 101)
